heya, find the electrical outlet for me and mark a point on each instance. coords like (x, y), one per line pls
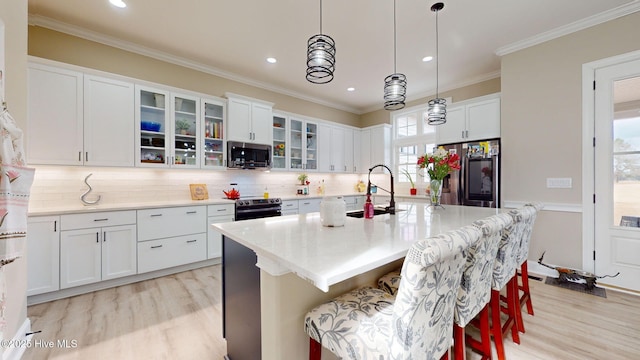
(559, 183)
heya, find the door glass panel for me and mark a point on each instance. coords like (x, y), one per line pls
(152, 127)
(626, 153)
(311, 146)
(407, 160)
(186, 146)
(406, 126)
(213, 135)
(279, 142)
(295, 147)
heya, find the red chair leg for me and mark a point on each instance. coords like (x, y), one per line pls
(526, 296)
(458, 342)
(315, 350)
(496, 326)
(482, 347)
(513, 311)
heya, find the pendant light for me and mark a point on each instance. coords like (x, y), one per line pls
(321, 56)
(395, 85)
(437, 112)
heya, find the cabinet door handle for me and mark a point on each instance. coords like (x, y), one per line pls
(104, 219)
(55, 226)
(466, 133)
(79, 156)
(191, 241)
(192, 212)
(97, 237)
(155, 215)
(156, 246)
(104, 236)
(462, 134)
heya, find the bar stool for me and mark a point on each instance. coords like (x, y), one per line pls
(523, 255)
(474, 292)
(503, 277)
(417, 323)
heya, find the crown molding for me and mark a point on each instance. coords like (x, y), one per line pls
(45, 22)
(590, 21)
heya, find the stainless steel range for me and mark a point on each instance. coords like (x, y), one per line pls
(257, 208)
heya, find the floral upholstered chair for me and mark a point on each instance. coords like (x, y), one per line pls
(504, 271)
(474, 292)
(530, 212)
(369, 323)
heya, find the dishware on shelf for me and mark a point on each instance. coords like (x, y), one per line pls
(150, 126)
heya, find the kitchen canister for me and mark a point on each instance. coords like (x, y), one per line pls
(333, 211)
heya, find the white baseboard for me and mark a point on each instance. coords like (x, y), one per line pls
(536, 269)
(15, 353)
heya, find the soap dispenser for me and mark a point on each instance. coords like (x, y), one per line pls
(266, 193)
(368, 208)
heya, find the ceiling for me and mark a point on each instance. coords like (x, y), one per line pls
(234, 38)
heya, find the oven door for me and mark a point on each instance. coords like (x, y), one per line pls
(257, 213)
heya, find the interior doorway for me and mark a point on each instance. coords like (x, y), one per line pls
(616, 169)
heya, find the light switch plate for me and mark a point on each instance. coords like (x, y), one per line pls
(559, 183)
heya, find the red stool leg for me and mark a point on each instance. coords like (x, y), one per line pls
(458, 342)
(514, 312)
(315, 350)
(496, 327)
(526, 296)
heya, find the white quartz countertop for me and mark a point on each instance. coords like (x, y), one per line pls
(327, 255)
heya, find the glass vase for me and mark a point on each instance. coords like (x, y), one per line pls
(435, 192)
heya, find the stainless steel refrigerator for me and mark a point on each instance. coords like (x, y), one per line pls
(477, 183)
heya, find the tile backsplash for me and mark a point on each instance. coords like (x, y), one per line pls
(59, 186)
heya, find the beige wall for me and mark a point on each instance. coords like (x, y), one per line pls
(69, 49)
(14, 15)
(542, 128)
(480, 89)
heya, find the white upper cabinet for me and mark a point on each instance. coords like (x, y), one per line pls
(79, 119)
(186, 125)
(280, 128)
(303, 144)
(357, 152)
(108, 122)
(54, 129)
(249, 120)
(474, 119)
(332, 149)
(376, 147)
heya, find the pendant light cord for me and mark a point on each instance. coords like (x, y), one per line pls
(320, 17)
(395, 40)
(437, 55)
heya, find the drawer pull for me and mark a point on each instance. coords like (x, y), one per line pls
(156, 246)
(191, 241)
(105, 219)
(192, 212)
(221, 210)
(155, 215)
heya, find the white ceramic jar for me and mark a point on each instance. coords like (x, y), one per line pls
(333, 211)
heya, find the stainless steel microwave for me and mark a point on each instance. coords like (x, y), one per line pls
(241, 155)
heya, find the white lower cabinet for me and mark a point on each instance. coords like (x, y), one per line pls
(354, 202)
(43, 254)
(309, 205)
(217, 214)
(90, 254)
(169, 237)
(170, 252)
(289, 207)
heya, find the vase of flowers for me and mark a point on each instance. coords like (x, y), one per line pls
(439, 164)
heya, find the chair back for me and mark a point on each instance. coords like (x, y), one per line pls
(475, 284)
(422, 322)
(529, 213)
(508, 251)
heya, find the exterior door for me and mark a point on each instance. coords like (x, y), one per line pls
(617, 174)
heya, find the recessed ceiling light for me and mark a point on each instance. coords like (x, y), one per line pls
(351, 89)
(118, 3)
(272, 60)
(427, 58)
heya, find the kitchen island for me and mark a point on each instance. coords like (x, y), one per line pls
(277, 269)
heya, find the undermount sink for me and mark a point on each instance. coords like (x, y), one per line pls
(360, 213)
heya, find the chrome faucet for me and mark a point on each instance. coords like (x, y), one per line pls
(391, 209)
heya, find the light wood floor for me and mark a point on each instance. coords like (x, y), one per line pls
(179, 317)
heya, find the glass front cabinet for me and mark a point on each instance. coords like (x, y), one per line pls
(185, 120)
(303, 146)
(153, 127)
(279, 161)
(214, 133)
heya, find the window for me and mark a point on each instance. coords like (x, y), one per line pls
(412, 137)
(626, 171)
